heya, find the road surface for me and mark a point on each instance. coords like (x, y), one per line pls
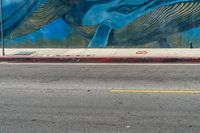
(50, 98)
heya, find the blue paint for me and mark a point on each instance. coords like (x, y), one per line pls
(56, 31)
(106, 15)
(15, 11)
(100, 39)
(118, 14)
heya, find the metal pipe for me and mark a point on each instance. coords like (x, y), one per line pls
(191, 44)
(2, 33)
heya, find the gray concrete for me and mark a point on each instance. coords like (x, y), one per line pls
(47, 98)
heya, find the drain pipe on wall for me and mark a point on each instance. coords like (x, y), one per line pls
(2, 33)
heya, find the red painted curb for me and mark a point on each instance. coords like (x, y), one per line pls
(26, 59)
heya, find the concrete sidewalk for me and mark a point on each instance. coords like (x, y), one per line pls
(102, 55)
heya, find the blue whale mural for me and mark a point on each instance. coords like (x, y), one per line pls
(22, 17)
(103, 22)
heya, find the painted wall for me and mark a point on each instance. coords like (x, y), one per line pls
(102, 23)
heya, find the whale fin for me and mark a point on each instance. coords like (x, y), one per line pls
(50, 11)
(101, 36)
(164, 43)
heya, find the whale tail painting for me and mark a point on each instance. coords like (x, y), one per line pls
(102, 23)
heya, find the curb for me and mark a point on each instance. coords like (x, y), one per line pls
(26, 59)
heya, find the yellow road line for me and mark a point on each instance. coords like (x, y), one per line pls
(158, 91)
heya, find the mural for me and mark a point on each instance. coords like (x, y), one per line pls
(101, 23)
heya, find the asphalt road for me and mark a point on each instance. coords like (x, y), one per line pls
(49, 98)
